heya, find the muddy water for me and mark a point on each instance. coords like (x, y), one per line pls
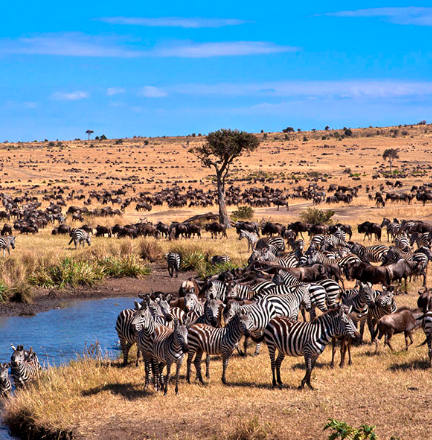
(60, 335)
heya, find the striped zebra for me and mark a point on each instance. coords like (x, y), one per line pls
(203, 338)
(427, 327)
(259, 313)
(169, 347)
(251, 238)
(421, 240)
(198, 313)
(24, 365)
(240, 291)
(218, 289)
(308, 339)
(78, 237)
(288, 260)
(126, 333)
(393, 228)
(321, 240)
(383, 304)
(7, 242)
(5, 383)
(333, 291)
(370, 254)
(220, 259)
(402, 242)
(173, 261)
(341, 235)
(273, 244)
(319, 257)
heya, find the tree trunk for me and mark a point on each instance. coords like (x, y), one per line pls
(223, 214)
(390, 162)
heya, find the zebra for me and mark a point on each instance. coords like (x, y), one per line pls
(79, 236)
(383, 304)
(174, 261)
(240, 291)
(251, 238)
(288, 260)
(333, 291)
(319, 257)
(126, 333)
(370, 254)
(7, 242)
(259, 313)
(218, 289)
(427, 327)
(340, 234)
(169, 347)
(273, 244)
(393, 228)
(220, 259)
(402, 242)
(5, 383)
(207, 313)
(24, 365)
(215, 341)
(294, 338)
(422, 240)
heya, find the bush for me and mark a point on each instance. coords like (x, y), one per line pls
(305, 139)
(243, 213)
(348, 132)
(344, 431)
(118, 141)
(252, 430)
(21, 292)
(150, 250)
(315, 215)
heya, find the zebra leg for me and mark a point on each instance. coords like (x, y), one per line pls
(362, 327)
(225, 359)
(178, 366)
(189, 364)
(257, 349)
(168, 377)
(279, 360)
(343, 350)
(197, 363)
(137, 357)
(125, 346)
(271, 350)
(371, 327)
(348, 346)
(207, 366)
(333, 352)
(147, 372)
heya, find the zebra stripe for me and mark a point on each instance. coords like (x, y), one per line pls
(393, 228)
(370, 254)
(215, 341)
(24, 365)
(6, 242)
(241, 291)
(251, 238)
(427, 327)
(5, 383)
(402, 242)
(174, 261)
(273, 244)
(126, 333)
(169, 347)
(218, 289)
(421, 240)
(294, 338)
(78, 237)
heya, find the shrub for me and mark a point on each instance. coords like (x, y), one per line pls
(344, 431)
(150, 250)
(305, 139)
(348, 132)
(3, 292)
(118, 142)
(252, 430)
(193, 261)
(315, 215)
(243, 213)
(21, 292)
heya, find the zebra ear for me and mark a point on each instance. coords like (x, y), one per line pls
(137, 305)
(13, 347)
(176, 322)
(192, 290)
(168, 297)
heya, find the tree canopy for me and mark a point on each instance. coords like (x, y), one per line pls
(391, 153)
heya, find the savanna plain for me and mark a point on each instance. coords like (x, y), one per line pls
(95, 398)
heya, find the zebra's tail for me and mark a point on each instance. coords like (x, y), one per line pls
(423, 343)
(257, 339)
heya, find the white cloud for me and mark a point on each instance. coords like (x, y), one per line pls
(112, 91)
(218, 49)
(79, 45)
(72, 96)
(188, 23)
(420, 16)
(30, 104)
(312, 89)
(152, 92)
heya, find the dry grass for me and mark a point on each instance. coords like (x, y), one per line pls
(92, 398)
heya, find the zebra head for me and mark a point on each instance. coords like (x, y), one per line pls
(212, 308)
(255, 256)
(165, 307)
(305, 296)
(191, 301)
(244, 322)
(386, 300)
(181, 336)
(142, 316)
(18, 355)
(277, 279)
(4, 372)
(347, 326)
(230, 310)
(368, 293)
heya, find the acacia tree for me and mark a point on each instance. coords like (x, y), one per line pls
(89, 132)
(220, 150)
(391, 154)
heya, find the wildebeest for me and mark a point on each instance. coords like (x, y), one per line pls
(370, 229)
(216, 228)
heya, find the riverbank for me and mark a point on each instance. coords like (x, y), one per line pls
(49, 299)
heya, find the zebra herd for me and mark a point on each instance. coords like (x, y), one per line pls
(24, 366)
(263, 301)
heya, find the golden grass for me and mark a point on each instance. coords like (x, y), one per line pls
(98, 399)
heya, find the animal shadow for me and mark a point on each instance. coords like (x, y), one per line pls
(128, 390)
(416, 365)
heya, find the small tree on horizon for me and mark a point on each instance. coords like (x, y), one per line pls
(220, 150)
(89, 132)
(391, 154)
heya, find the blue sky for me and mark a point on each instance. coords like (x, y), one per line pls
(139, 68)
